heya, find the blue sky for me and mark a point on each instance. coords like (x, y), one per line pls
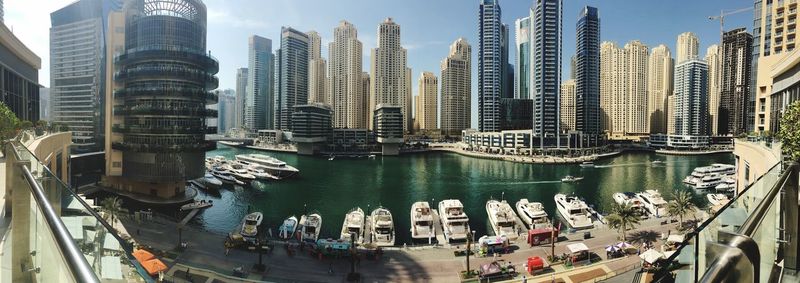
(428, 26)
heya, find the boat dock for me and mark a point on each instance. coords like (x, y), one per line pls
(367, 239)
(188, 217)
(437, 227)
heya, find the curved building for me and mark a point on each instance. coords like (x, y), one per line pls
(162, 79)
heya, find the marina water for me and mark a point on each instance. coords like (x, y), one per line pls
(333, 187)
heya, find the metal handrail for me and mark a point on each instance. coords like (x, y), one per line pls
(751, 224)
(76, 262)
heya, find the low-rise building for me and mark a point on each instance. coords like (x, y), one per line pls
(389, 128)
(311, 127)
(679, 142)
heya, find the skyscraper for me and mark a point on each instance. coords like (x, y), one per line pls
(317, 78)
(348, 97)
(226, 115)
(507, 69)
(546, 73)
(586, 70)
(714, 63)
(293, 66)
(691, 100)
(737, 46)
(659, 87)
(428, 95)
(391, 79)
(259, 109)
(687, 47)
(490, 65)
(456, 94)
(613, 90)
(522, 65)
(636, 82)
(241, 95)
(567, 100)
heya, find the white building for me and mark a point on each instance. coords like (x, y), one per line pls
(713, 61)
(687, 47)
(428, 92)
(347, 95)
(456, 94)
(317, 78)
(659, 87)
(390, 81)
(567, 102)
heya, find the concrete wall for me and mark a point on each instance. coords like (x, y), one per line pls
(47, 148)
(754, 159)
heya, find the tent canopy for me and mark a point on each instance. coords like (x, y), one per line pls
(675, 238)
(651, 256)
(111, 243)
(577, 247)
(142, 255)
(154, 266)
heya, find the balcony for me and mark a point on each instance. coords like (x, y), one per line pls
(144, 129)
(210, 97)
(199, 147)
(157, 52)
(159, 111)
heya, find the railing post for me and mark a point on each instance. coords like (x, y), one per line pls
(20, 207)
(791, 230)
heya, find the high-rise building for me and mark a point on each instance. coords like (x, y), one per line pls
(613, 91)
(659, 87)
(259, 109)
(687, 47)
(19, 68)
(391, 79)
(44, 104)
(507, 69)
(636, 82)
(428, 97)
(77, 50)
(226, 115)
(573, 66)
(317, 78)
(567, 101)
(293, 80)
(691, 99)
(348, 97)
(586, 72)
(163, 79)
(522, 65)
(456, 94)
(241, 96)
(490, 66)
(734, 95)
(546, 73)
(714, 63)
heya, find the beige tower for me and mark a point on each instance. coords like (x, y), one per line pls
(456, 88)
(317, 80)
(777, 39)
(567, 105)
(687, 47)
(346, 93)
(390, 81)
(636, 82)
(428, 93)
(714, 72)
(659, 87)
(613, 91)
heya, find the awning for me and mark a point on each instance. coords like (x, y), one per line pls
(536, 262)
(154, 266)
(110, 268)
(111, 243)
(577, 247)
(143, 255)
(677, 239)
(651, 256)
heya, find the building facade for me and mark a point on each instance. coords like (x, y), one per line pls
(774, 26)
(428, 101)
(586, 70)
(259, 109)
(522, 65)
(311, 127)
(241, 96)
(687, 47)
(659, 87)
(44, 104)
(691, 99)
(456, 93)
(389, 120)
(734, 102)
(293, 79)
(516, 114)
(714, 63)
(613, 100)
(317, 76)
(226, 115)
(546, 73)
(490, 65)
(348, 96)
(636, 81)
(567, 113)
(19, 68)
(390, 81)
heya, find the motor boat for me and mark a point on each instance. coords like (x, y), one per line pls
(225, 176)
(726, 185)
(574, 211)
(273, 166)
(199, 204)
(571, 179)
(532, 213)
(250, 224)
(287, 228)
(210, 181)
(353, 224)
(653, 202)
(717, 199)
(710, 181)
(455, 223)
(587, 164)
(422, 221)
(312, 224)
(382, 227)
(630, 198)
(503, 219)
(657, 162)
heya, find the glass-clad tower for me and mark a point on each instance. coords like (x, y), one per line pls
(489, 66)
(163, 79)
(546, 73)
(587, 72)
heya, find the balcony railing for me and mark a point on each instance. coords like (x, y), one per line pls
(55, 235)
(137, 129)
(210, 97)
(122, 110)
(198, 147)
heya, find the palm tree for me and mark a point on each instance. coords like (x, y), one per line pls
(113, 206)
(680, 205)
(614, 222)
(623, 217)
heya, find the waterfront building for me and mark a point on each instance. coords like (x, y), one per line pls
(226, 119)
(785, 88)
(671, 113)
(546, 73)
(292, 65)
(490, 65)
(613, 100)
(427, 104)
(352, 140)
(636, 81)
(259, 109)
(311, 127)
(691, 99)
(348, 95)
(456, 93)
(241, 96)
(687, 47)
(44, 104)
(734, 97)
(317, 78)
(154, 155)
(388, 127)
(515, 141)
(522, 65)
(19, 68)
(516, 114)
(390, 81)
(567, 112)
(712, 58)
(659, 87)
(586, 73)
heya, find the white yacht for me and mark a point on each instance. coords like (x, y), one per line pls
(717, 168)
(532, 213)
(250, 224)
(574, 211)
(503, 219)
(455, 223)
(653, 202)
(353, 223)
(710, 181)
(629, 198)
(287, 228)
(422, 221)
(717, 199)
(225, 176)
(571, 179)
(273, 166)
(312, 224)
(587, 164)
(211, 181)
(726, 185)
(382, 227)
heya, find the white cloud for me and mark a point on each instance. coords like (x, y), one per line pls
(223, 17)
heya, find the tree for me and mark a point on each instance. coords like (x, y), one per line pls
(8, 122)
(622, 218)
(790, 131)
(113, 206)
(681, 205)
(24, 125)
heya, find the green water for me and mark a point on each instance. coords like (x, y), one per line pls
(334, 187)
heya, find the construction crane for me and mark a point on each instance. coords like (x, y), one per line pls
(723, 14)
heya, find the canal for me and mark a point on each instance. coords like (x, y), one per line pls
(334, 187)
